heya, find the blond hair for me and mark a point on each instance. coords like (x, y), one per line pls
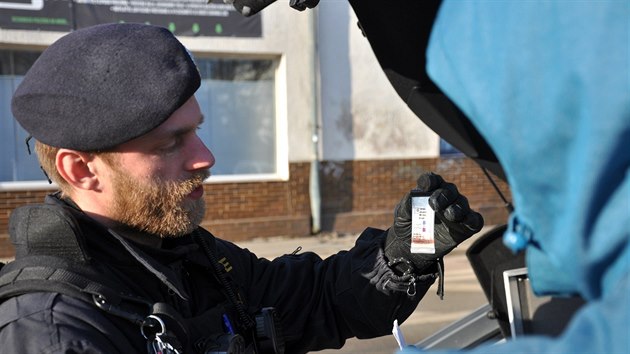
(47, 156)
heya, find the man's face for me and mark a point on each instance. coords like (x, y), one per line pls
(157, 206)
(156, 180)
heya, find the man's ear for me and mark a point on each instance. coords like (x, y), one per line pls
(78, 169)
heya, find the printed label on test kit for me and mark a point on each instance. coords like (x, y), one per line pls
(422, 225)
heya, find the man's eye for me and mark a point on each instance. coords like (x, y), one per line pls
(171, 146)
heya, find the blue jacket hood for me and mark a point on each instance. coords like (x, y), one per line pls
(552, 97)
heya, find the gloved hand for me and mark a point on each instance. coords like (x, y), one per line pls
(454, 223)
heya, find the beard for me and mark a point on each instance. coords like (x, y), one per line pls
(157, 207)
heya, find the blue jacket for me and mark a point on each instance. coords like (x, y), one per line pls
(547, 85)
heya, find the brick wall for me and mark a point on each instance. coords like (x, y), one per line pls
(354, 194)
(241, 211)
(8, 202)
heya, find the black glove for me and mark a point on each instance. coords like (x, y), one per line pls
(454, 223)
(302, 5)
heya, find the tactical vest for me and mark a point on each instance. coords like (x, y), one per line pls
(50, 257)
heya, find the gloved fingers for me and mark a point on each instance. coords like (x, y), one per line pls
(402, 212)
(444, 196)
(449, 234)
(457, 211)
(473, 222)
(429, 182)
(301, 5)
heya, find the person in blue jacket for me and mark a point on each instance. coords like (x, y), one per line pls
(547, 85)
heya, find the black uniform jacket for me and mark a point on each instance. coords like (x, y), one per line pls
(321, 303)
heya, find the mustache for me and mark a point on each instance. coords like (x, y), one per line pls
(200, 176)
(196, 180)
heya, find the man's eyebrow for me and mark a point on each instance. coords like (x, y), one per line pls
(185, 130)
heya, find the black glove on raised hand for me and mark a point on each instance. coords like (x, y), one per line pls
(454, 223)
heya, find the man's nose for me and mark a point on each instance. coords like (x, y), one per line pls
(201, 156)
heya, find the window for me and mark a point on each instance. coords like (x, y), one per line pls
(15, 163)
(237, 98)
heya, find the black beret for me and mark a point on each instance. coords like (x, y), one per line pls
(101, 86)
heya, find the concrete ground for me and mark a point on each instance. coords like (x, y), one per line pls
(462, 291)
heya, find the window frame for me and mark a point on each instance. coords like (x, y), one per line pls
(281, 120)
(281, 129)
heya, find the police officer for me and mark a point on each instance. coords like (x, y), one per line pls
(116, 262)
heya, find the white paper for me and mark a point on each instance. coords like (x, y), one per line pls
(422, 226)
(398, 334)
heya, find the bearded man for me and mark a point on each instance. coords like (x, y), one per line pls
(116, 261)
